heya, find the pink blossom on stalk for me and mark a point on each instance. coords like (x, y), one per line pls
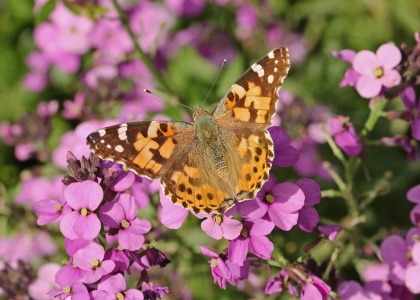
(37, 78)
(277, 203)
(308, 216)
(246, 21)
(186, 8)
(73, 30)
(75, 291)
(345, 136)
(224, 270)
(114, 287)
(38, 188)
(151, 22)
(110, 38)
(218, 226)
(377, 70)
(84, 198)
(73, 109)
(45, 281)
(120, 216)
(253, 236)
(91, 259)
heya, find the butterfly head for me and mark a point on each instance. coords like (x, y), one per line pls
(199, 112)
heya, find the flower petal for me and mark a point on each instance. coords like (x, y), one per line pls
(368, 86)
(366, 62)
(238, 249)
(308, 218)
(231, 228)
(391, 78)
(87, 227)
(212, 229)
(67, 225)
(389, 56)
(261, 246)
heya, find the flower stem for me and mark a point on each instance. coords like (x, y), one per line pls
(143, 56)
(374, 115)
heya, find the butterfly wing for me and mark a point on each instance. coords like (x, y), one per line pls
(147, 148)
(253, 98)
(244, 113)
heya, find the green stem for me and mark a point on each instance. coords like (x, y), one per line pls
(143, 56)
(374, 115)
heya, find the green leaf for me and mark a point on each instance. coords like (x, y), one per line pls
(45, 11)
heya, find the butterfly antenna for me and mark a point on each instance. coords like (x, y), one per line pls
(217, 77)
(167, 99)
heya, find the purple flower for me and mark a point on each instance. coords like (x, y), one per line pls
(122, 180)
(278, 203)
(151, 22)
(114, 287)
(395, 252)
(154, 257)
(91, 259)
(408, 144)
(330, 231)
(223, 270)
(50, 210)
(76, 291)
(75, 142)
(413, 106)
(344, 135)
(218, 226)
(253, 236)
(413, 195)
(120, 216)
(377, 70)
(186, 8)
(110, 38)
(44, 283)
(314, 288)
(351, 76)
(285, 155)
(352, 290)
(26, 247)
(153, 291)
(308, 216)
(74, 109)
(246, 21)
(84, 198)
(74, 30)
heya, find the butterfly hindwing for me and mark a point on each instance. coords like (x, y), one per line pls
(253, 98)
(147, 148)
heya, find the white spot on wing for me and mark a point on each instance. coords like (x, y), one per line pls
(119, 148)
(275, 69)
(101, 132)
(270, 79)
(102, 141)
(108, 146)
(259, 69)
(271, 54)
(276, 61)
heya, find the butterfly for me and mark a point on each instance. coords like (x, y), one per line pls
(218, 159)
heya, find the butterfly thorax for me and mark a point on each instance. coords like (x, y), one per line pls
(210, 141)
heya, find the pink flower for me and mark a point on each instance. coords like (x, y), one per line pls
(84, 198)
(91, 259)
(120, 216)
(45, 281)
(218, 226)
(342, 130)
(377, 70)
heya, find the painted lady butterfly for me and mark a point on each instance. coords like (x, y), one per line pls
(221, 157)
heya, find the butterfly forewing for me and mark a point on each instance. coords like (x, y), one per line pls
(147, 148)
(253, 98)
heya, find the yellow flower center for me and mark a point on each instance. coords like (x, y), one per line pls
(244, 232)
(218, 219)
(120, 296)
(84, 211)
(125, 224)
(58, 207)
(67, 289)
(269, 198)
(379, 72)
(95, 262)
(415, 112)
(213, 263)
